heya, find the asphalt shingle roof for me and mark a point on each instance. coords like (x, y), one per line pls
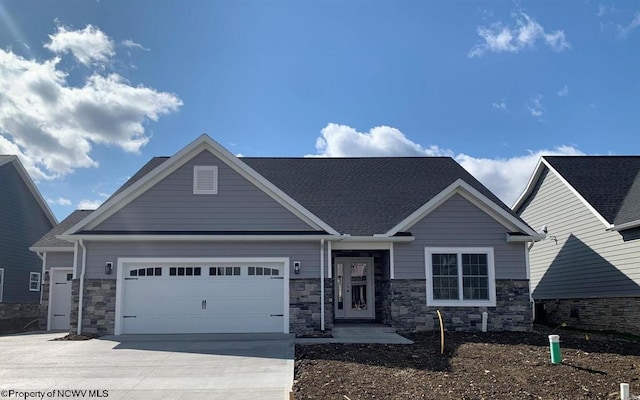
(364, 196)
(50, 240)
(358, 196)
(611, 184)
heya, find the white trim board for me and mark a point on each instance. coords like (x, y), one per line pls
(535, 177)
(202, 143)
(475, 197)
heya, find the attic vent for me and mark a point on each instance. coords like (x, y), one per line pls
(205, 179)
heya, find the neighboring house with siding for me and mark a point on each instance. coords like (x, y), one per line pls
(587, 272)
(57, 261)
(24, 217)
(204, 241)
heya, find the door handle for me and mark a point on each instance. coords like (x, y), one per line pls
(204, 304)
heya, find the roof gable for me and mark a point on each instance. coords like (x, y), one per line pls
(165, 167)
(608, 185)
(6, 160)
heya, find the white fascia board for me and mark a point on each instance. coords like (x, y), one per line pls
(374, 238)
(533, 179)
(602, 219)
(53, 249)
(32, 187)
(475, 197)
(198, 238)
(626, 225)
(203, 142)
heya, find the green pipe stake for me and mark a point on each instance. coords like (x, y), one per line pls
(554, 345)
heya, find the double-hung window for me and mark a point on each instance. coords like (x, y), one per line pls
(460, 276)
(34, 281)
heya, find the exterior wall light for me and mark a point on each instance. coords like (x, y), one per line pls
(108, 268)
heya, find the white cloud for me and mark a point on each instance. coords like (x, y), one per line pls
(500, 106)
(131, 44)
(625, 31)
(535, 106)
(89, 45)
(61, 201)
(506, 177)
(344, 141)
(52, 125)
(89, 204)
(564, 91)
(524, 33)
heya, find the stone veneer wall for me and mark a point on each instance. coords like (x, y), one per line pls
(304, 306)
(99, 306)
(405, 309)
(15, 316)
(620, 314)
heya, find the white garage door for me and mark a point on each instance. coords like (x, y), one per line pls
(203, 297)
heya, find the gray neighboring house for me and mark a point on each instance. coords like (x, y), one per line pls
(204, 241)
(57, 260)
(587, 272)
(24, 217)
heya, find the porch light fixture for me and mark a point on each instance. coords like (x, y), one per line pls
(108, 267)
(46, 277)
(296, 267)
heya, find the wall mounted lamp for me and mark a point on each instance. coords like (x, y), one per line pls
(296, 267)
(108, 268)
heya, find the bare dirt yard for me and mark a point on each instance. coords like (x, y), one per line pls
(499, 365)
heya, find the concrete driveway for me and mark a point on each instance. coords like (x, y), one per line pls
(148, 367)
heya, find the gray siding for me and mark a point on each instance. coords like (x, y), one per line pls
(458, 223)
(171, 205)
(59, 260)
(22, 223)
(587, 261)
(308, 253)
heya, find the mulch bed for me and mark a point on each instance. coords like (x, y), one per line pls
(497, 365)
(75, 337)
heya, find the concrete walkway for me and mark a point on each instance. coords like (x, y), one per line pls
(151, 366)
(359, 333)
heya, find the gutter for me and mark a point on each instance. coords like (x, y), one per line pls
(229, 238)
(622, 227)
(524, 238)
(81, 291)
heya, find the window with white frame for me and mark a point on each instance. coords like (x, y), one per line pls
(460, 276)
(1, 283)
(205, 179)
(34, 281)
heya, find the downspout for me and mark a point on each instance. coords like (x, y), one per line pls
(81, 290)
(43, 257)
(322, 285)
(528, 264)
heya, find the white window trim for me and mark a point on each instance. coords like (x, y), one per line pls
(428, 251)
(198, 168)
(1, 283)
(31, 280)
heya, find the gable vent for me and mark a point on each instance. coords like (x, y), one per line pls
(205, 179)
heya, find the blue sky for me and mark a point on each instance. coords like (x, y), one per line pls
(90, 90)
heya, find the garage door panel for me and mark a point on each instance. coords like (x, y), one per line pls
(178, 324)
(222, 298)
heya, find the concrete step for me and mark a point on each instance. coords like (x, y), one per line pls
(340, 330)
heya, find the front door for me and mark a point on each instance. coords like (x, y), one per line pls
(354, 294)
